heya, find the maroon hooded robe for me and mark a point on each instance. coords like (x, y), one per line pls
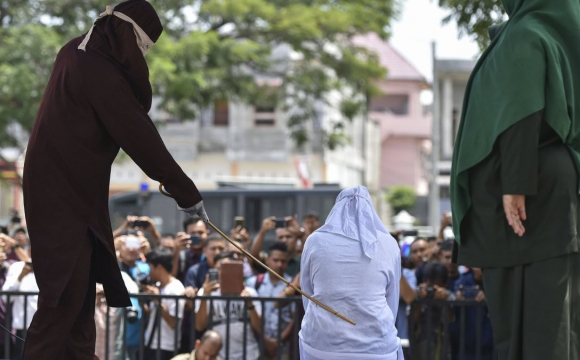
(95, 103)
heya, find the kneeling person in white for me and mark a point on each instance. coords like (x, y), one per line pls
(353, 265)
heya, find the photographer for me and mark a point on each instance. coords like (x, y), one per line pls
(138, 271)
(20, 277)
(270, 286)
(469, 287)
(189, 246)
(15, 249)
(195, 277)
(434, 288)
(143, 223)
(160, 262)
(238, 310)
(287, 231)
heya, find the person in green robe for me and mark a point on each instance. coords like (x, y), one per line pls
(515, 182)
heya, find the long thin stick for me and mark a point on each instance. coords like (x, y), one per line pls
(272, 272)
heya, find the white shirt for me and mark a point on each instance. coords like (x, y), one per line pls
(175, 287)
(27, 284)
(336, 271)
(236, 337)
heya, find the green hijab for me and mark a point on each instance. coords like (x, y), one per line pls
(532, 64)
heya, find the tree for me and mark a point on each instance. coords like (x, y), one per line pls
(212, 51)
(474, 17)
(401, 198)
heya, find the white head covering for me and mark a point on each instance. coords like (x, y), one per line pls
(143, 40)
(354, 216)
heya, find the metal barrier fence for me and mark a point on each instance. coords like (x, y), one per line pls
(439, 317)
(144, 298)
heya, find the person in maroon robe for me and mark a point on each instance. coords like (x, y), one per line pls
(96, 102)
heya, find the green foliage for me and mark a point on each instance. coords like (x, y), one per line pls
(474, 17)
(211, 50)
(401, 198)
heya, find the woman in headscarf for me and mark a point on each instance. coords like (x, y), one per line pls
(353, 265)
(515, 179)
(96, 101)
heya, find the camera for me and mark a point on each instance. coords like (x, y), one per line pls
(132, 314)
(430, 292)
(143, 280)
(139, 223)
(281, 223)
(195, 240)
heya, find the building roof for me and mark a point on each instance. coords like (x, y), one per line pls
(399, 68)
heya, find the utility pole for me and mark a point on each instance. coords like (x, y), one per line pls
(434, 206)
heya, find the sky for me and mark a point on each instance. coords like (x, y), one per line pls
(418, 26)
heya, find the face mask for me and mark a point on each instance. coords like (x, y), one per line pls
(143, 41)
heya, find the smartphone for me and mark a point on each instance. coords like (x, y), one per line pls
(195, 240)
(213, 275)
(280, 223)
(232, 278)
(239, 221)
(30, 264)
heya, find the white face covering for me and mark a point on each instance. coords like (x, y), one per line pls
(143, 41)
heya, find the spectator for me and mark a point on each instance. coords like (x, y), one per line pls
(288, 235)
(20, 277)
(241, 234)
(238, 311)
(408, 288)
(469, 286)
(446, 255)
(161, 262)
(138, 271)
(310, 223)
(4, 266)
(195, 278)
(419, 255)
(143, 223)
(270, 286)
(167, 241)
(207, 348)
(428, 317)
(213, 246)
(16, 249)
(188, 252)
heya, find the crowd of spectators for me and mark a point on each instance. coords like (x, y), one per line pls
(188, 266)
(429, 274)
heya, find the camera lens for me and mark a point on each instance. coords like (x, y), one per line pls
(132, 314)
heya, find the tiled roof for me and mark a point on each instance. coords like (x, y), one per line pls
(398, 67)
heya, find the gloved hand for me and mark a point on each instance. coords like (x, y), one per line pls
(196, 209)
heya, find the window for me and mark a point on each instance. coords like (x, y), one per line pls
(221, 114)
(397, 104)
(265, 115)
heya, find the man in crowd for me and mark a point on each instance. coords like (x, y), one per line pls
(206, 348)
(445, 256)
(195, 277)
(288, 235)
(140, 223)
(238, 311)
(430, 324)
(239, 255)
(168, 322)
(270, 286)
(138, 271)
(419, 255)
(188, 249)
(470, 287)
(212, 246)
(167, 241)
(20, 277)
